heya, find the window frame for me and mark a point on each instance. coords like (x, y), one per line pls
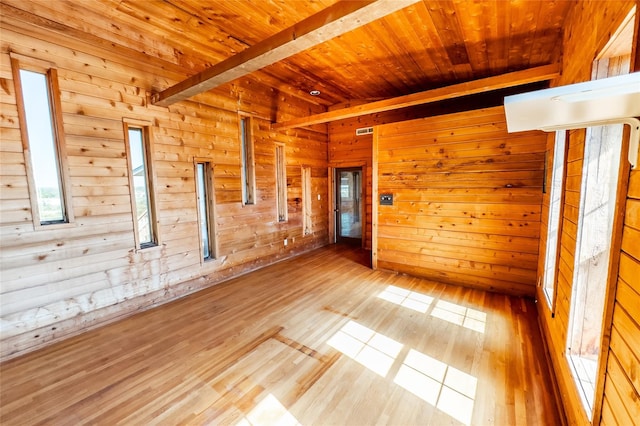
(247, 159)
(552, 296)
(593, 411)
(49, 70)
(614, 48)
(307, 201)
(147, 142)
(280, 166)
(210, 208)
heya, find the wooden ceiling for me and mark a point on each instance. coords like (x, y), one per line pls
(424, 46)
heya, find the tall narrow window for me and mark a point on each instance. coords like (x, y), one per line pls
(248, 161)
(306, 200)
(591, 310)
(554, 223)
(38, 106)
(205, 210)
(593, 246)
(281, 184)
(142, 187)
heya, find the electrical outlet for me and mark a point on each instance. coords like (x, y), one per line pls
(318, 197)
(285, 242)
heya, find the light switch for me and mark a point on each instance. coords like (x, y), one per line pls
(386, 199)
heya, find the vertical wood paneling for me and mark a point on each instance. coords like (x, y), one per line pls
(58, 282)
(467, 200)
(587, 30)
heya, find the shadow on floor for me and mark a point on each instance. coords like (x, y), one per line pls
(355, 254)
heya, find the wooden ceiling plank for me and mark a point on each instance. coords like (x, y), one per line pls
(325, 25)
(349, 71)
(444, 17)
(532, 75)
(425, 29)
(522, 34)
(492, 34)
(306, 81)
(29, 23)
(400, 47)
(409, 35)
(471, 18)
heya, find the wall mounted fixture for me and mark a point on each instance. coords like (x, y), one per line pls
(612, 100)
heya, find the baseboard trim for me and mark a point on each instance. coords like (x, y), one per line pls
(41, 337)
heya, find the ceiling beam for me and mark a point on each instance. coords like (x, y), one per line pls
(331, 22)
(517, 78)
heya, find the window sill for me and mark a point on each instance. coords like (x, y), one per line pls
(149, 248)
(53, 226)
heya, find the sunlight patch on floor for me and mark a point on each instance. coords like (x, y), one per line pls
(459, 315)
(407, 298)
(373, 350)
(447, 388)
(269, 412)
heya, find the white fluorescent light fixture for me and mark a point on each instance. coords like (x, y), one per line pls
(612, 100)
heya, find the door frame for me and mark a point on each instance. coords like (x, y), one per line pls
(333, 170)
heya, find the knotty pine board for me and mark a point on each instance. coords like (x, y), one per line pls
(461, 177)
(587, 30)
(58, 282)
(346, 149)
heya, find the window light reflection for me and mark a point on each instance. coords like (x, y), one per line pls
(269, 412)
(407, 298)
(374, 351)
(446, 388)
(459, 315)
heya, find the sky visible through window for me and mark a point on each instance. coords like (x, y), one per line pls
(42, 145)
(140, 184)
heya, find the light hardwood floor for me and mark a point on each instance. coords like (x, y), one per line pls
(320, 339)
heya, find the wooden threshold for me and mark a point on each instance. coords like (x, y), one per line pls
(319, 339)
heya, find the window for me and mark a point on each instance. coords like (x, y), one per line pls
(205, 209)
(281, 184)
(37, 96)
(248, 161)
(555, 215)
(306, 201)
(593, 246)
(595, 264)
(143, 206)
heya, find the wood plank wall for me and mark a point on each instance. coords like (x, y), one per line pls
(348, 150)
(589, 26)
(467, 200)
(58, 282)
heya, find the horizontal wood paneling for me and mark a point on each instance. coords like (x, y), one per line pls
(467, 200)
(622, 386)
(57, 282)
(588, 28)
(346, 149)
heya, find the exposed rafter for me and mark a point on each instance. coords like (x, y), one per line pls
(517, 78)
(331, 22)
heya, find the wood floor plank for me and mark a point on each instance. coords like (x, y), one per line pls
(320, 339)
